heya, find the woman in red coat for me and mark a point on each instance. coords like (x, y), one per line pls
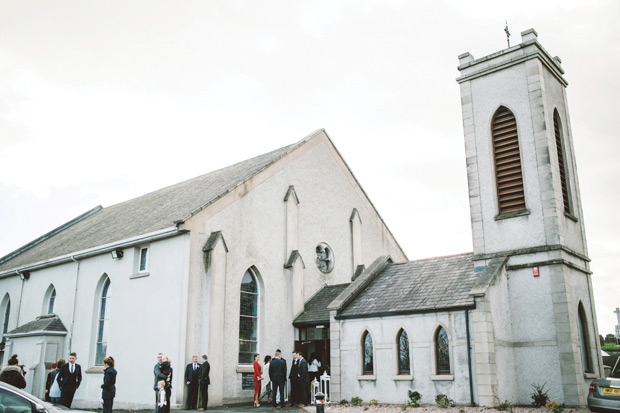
(257, 378)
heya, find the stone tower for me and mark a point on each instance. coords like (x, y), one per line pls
(526, 207)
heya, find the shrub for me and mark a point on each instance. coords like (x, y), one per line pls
(414, 399)
(444, 401)
(366, 407)
(539, 396)
(506, 405)
(554, 407)
(356, 401)
(344, 401)
(373, 402)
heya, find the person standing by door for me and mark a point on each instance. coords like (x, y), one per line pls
(108, 391)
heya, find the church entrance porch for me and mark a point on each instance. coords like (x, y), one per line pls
(314, 340)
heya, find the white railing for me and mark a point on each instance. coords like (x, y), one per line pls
(323, 386)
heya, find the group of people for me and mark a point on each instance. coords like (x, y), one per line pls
(272, 377)
(196, 379)
(64, 380)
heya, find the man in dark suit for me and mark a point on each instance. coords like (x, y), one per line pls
(204, 382)
(293, 376)
(277, 374)
(192, 374)
(69, 380)
(304, 380)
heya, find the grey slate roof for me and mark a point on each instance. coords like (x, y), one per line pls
(316, 311)
(427, 285)
(151, 212)
(46, 323)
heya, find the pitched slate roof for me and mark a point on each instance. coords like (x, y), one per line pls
(43, 324)
(316, 311)
(427, 285)
(149, 213)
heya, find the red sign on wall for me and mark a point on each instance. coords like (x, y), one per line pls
(535, 271)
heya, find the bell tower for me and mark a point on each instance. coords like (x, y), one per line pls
(526, 207)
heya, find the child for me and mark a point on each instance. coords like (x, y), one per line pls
(161, 397)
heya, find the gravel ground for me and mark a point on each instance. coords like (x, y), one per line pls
(337, 408)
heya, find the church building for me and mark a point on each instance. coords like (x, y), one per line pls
(285, 250)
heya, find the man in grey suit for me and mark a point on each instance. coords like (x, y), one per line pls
(277, 374)
(158, 375)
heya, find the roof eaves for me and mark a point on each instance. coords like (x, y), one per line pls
(407, 312)
(51, 233)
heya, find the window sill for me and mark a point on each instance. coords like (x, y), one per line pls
(442, 377)
(570, 216)
(513, 214)
(95, 370)
(403, 377)
(368, 377)
(139, 275)
(589, 375)
(245, 369)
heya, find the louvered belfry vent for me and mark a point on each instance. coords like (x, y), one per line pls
(509, 176)
(558, 144)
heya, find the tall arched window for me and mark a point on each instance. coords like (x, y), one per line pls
(442, 351)
(368, 364)
(248, 318)
(5, 313)
(583, 338)
(50, 304)
(404, 366)
(102, 325)
(559, 144)
(508, 174)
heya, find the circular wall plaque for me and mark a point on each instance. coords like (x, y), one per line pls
(324, 257)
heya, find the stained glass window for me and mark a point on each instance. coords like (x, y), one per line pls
(248, 318)
(368, 362)
(403, 353)
(102, 325)
(442, 349)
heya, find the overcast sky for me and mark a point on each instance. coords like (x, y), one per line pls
(103, 101)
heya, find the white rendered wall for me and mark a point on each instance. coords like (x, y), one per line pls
(385, 385)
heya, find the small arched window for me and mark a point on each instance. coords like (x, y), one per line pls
(248, 318)
(583, 338)
(508, 174)
(5, 313)
(368, 364)
(442, 351)
(559, 144)
(102, 324)
(404, 366)
(50, 301)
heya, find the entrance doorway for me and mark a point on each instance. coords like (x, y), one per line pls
(314, 341)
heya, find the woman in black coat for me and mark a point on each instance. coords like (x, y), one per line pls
(12, 373)
(108, 386)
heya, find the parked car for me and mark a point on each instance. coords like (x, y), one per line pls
(604, 394)
(15, 400)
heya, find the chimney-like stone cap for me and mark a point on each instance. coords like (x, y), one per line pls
(529, 34)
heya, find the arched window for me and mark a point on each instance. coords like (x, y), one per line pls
(559, 144)
(508, 174)
(102, 324)
(404, 367)
(368, 364)
(5, 313)
(50, 305)
(583, 337)
(442, 351)
(248, 318)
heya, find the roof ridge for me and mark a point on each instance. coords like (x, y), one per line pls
(435, 257)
